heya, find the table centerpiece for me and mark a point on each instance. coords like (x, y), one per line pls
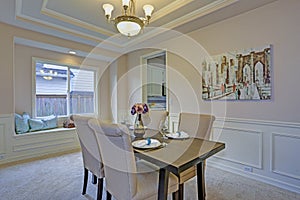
(139, 109)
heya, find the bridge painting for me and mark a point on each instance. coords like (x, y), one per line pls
(239, 75)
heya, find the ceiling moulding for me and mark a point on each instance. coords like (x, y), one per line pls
(109, 44)
(25, 18)
(60, 49)
(177, 4)
(208, 9)
(21, 16)
(74, 21)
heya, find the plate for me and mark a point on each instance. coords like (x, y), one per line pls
(178, 135)
(132, 128)
(143, 144)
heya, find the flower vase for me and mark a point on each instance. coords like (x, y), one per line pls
(138, 125)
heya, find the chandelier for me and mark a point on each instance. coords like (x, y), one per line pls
(128, 24)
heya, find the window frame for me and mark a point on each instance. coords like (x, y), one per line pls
(69, 66)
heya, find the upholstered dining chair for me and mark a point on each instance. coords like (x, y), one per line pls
(155, 119)
(197, 126)
(126, 178)
(92, 160)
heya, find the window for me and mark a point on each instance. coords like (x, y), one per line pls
(63, 90)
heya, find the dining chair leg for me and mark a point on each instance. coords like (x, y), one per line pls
(94, 180)
(85, 179)
(100, 189)
(201, 181)
(108, 196)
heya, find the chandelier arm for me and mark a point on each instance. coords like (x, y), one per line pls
(132, 7)
(128, 24)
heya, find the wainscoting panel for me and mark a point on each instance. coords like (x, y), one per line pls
(285, 149)
(4, 128)
(243, 146)
(266, 151)
(19, 147)
(2, 138)
(43, 144)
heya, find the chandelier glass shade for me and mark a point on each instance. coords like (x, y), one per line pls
(128, 24)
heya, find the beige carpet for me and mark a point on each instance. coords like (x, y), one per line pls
(60, 178)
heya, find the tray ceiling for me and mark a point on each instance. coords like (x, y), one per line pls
(84, 21)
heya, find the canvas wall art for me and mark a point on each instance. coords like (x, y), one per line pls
(240, 75)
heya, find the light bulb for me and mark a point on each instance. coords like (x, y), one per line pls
(125, 2)
(148, 9)
(108, 8)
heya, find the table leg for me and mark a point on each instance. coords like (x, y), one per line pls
(163, 184)
(181, 191)
(179, 194)
(201, 181)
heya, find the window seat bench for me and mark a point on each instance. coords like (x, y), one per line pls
(46, 131)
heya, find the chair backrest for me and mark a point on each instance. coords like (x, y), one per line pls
(118, 158)
(196, 125)
(90, 150)
(155, 119)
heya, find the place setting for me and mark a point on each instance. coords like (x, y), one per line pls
(179, 135)
(147, 144)
(131, 127)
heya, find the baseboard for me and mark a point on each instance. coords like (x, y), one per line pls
(32, 157)
(257, 177)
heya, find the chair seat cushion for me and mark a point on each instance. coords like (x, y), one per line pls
(147, 182)
(91, 163)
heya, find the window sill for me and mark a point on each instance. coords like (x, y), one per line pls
(54, 130)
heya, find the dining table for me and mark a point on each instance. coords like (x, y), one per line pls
(175, 156)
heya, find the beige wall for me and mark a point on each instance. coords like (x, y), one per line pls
(23, 75)
(104, 95)
(8, 60)
(16, 68)
(134, 75)
(6, 70)
(184, 83)
(23, 72)
(275, 24)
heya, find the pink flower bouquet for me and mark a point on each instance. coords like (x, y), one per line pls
(139, 108)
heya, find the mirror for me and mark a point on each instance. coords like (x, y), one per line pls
(154, 92)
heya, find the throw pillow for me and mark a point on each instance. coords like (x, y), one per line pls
(50, 121)
(21, 123)
(36, 124)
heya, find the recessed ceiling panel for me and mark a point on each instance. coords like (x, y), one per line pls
(84, 19)
(87, 11)
(91, 12)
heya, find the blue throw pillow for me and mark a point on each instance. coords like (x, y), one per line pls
(36, 124)
(50, 121)
(21, 123)
(43, 123)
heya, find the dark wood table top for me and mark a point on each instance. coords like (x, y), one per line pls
(178, 155)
